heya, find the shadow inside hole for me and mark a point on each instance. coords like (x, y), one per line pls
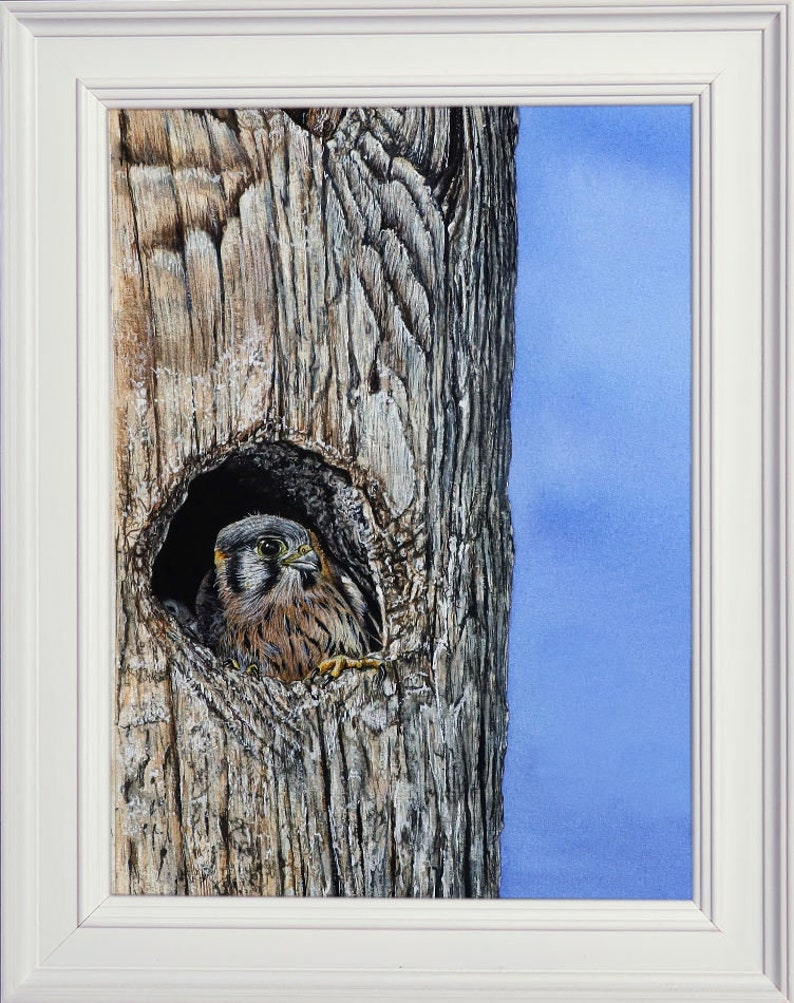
(273, 479)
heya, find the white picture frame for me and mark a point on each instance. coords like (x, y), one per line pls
(65, 937)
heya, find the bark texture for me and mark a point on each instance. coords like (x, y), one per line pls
(313, 317)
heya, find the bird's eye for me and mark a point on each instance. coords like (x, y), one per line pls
(270, 547)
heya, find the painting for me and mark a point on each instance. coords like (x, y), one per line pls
(313, 331)
(315, 360)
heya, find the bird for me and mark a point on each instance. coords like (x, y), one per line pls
(184, 616)
(274, 604)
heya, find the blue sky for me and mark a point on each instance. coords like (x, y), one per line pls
(597, 780)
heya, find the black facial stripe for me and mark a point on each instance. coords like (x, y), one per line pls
(233, 577)
(308, 578)
(267, 577)
(268, 581)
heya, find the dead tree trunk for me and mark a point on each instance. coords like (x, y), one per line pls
(313, 318)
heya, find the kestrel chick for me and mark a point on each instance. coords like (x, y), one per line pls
(275, 601)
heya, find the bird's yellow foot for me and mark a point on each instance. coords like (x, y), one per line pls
(231, 664)
(332, 668)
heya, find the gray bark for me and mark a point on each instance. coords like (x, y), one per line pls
(319, 305)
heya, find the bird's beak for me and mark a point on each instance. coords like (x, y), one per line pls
(220, 557)
(304, 559)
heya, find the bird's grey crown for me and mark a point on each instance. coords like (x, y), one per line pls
(246, 532)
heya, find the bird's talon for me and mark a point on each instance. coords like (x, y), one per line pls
(334, 667)
(371, 662)
(253, 670)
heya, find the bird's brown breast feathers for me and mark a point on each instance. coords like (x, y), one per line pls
(295, 630)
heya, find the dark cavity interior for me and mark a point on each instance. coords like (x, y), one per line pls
(278, 480)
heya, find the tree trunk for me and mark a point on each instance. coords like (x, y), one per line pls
(313, 317)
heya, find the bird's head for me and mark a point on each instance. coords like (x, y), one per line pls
(256, 555)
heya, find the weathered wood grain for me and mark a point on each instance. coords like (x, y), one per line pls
(317, 304)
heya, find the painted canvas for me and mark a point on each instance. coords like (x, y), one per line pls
(314, 351)
(313, 324)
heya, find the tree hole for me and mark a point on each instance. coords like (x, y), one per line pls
(271, 479)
